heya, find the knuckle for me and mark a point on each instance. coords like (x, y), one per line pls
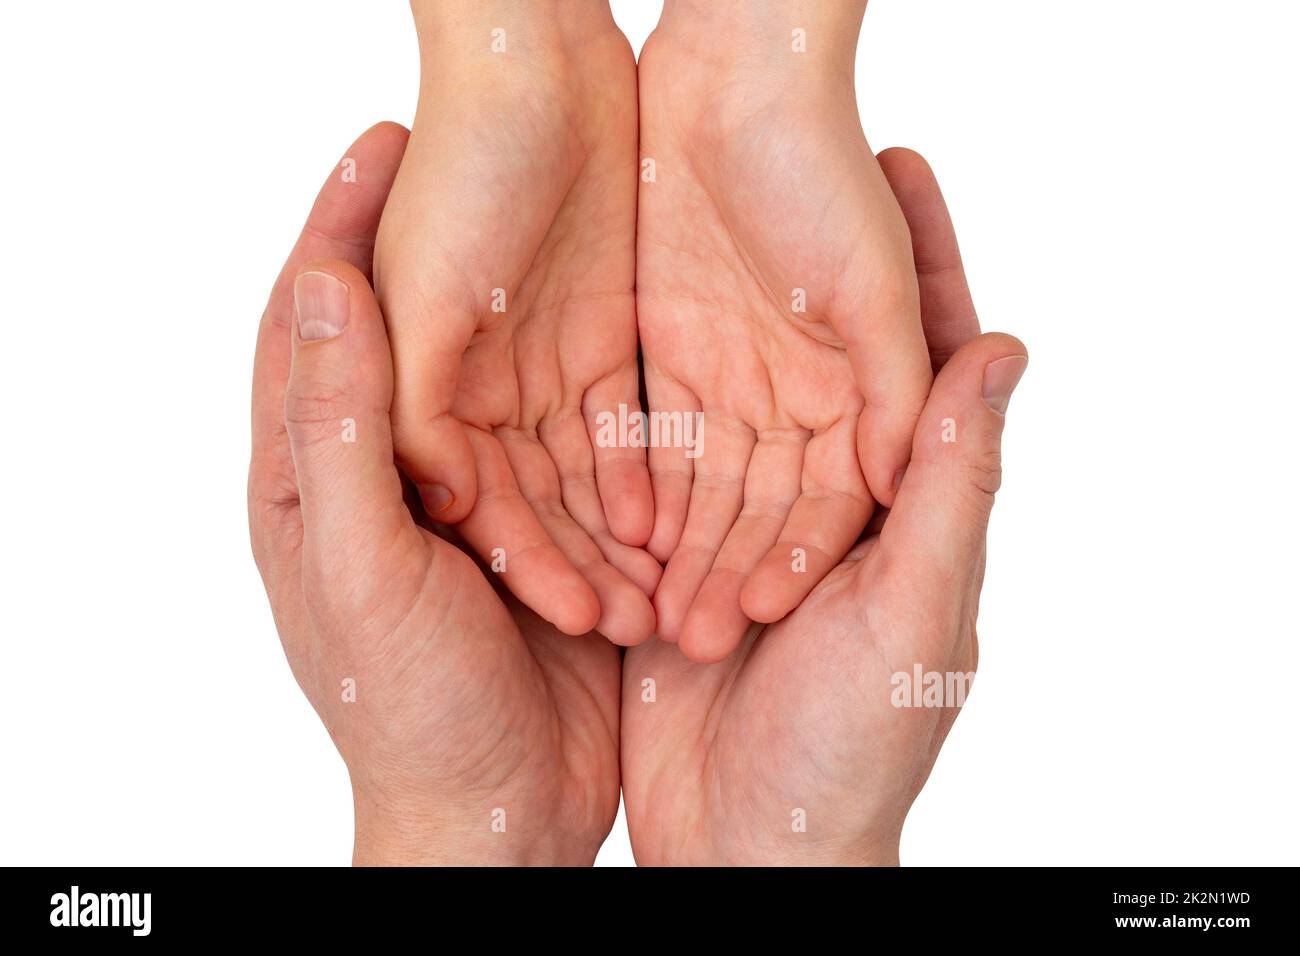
(275, 529)
(310, 406)
(984, 472)
(274, 523)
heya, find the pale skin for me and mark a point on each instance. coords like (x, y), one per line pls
(465, 705)
(776, 294)
(474, 731)
(506, 276)
(505, 266)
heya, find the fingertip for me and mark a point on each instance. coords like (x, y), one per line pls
(884, 448)
(906, 169)
(715, 624)
(702, 655)
(761, 597)
(780, 582)
(577, 610)
(332, 297)
(445, 505)
(632, 526)
(374, 157)
(629, 505)
(628, 622)
(884, 481)
(358, 284)
(554, 588)
(966, 378)
(439, 459)
(702, 645)
(386, 134)
(1004, 344)
(440, 502)
(345, 217)
(334, 307)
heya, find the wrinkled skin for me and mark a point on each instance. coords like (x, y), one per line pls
(800, 720)
(465, 703)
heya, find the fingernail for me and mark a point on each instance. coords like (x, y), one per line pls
(322, 305)
(436, 498)
(1000, 379)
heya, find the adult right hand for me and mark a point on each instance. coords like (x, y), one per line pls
(473, 732)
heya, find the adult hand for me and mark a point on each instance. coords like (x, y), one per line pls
(456, 717)
(800, 727)
(505, 266)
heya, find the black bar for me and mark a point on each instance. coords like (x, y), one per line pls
(1169, 906)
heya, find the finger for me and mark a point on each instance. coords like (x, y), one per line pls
(506, 533)
(430, 336)
(568, 444)
(936, 528)
(882, 331)
(342, 225)
(626, 617)
(336, 408)
(717, 496)
(893, 371)
(671, 460)
(826, 520)
(716, 622)
(947, 312)
(621, 473)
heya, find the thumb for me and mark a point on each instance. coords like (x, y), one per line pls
(432, 443)
(937, 525)
(336, 412)
(891, 364)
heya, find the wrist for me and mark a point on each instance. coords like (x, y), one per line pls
(471, 35)
(442, 833)
(789, 38)
(874, 856)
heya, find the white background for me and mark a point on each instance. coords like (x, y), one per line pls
(1123, 175)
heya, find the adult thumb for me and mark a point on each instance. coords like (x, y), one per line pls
(937, 525)
(336, 413)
